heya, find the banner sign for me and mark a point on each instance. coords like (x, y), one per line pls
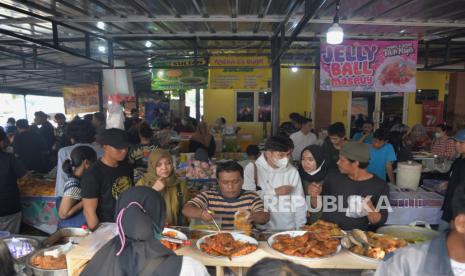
(241, 74)
(180, 74)
(432, 114)
(80, 99)
(363, 65)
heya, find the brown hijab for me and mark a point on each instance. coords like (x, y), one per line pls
(202, 135)
(172, 186)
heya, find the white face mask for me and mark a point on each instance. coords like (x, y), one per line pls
(317, 170)
(282, 163)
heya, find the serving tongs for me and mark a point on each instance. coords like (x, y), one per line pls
(214, 221)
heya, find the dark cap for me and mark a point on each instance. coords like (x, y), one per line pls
(356, 151)
(201, 155)
(116, 138)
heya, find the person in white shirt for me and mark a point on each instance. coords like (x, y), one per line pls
(81, 133)
(279, 185)
(303, 138)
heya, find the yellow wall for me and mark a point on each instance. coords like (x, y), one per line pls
(296, 96)
(340, 102)
(425, 80)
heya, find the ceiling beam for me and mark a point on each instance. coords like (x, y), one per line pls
(239, 18)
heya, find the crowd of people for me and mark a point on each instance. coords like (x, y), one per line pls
(129, 177)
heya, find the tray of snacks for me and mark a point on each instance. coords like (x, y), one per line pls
(371, 246)
(227, 245)
(304, 245)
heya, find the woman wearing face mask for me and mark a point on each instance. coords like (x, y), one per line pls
(137, 250)
(312, 171)
(70, 205)
(162, 178)
(443, 145)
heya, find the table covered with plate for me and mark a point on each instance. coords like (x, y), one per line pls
(322, 245)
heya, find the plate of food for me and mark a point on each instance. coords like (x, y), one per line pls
(227, 245)
(304, 245)
(173, 239)
(321, 226)
(371, 246)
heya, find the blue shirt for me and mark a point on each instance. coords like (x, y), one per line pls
(359, 135)
(379, 158)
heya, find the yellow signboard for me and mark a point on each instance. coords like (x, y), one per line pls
(80, 99)
(240, 72)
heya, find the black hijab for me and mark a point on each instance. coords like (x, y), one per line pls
(140, 217)
(321, 164)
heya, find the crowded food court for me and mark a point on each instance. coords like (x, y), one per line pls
(260, 137)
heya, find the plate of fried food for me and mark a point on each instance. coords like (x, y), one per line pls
(321, 226)
(173, 239)
(304, 245)
(371, 246)
(227, 245)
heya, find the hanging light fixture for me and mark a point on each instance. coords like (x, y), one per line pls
(335, 34)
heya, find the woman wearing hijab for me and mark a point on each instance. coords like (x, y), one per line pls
(137, 250)
(161, 176)
(417, 139)
(202, 139)
(312, 171)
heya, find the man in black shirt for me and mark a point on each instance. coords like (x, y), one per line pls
(104, 181)
(456, 179)
(30, 149)
(10, 171)
(361, 192)
(46, 129)
(333, 143)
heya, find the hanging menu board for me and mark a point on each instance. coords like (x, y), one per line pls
(180, 74)
(239, 72)
(364, 65)
(80, 99)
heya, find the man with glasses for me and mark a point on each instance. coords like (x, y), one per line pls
(279, 184)
(228, 200)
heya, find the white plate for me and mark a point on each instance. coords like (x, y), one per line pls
(365, 258)
(179, 235)
(236, 236)
(295, 234)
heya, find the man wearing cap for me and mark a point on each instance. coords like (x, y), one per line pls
(104, 181)
(356, 192)
(456, 179)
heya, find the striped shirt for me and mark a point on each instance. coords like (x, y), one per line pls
(227, 207)
(72, 188)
